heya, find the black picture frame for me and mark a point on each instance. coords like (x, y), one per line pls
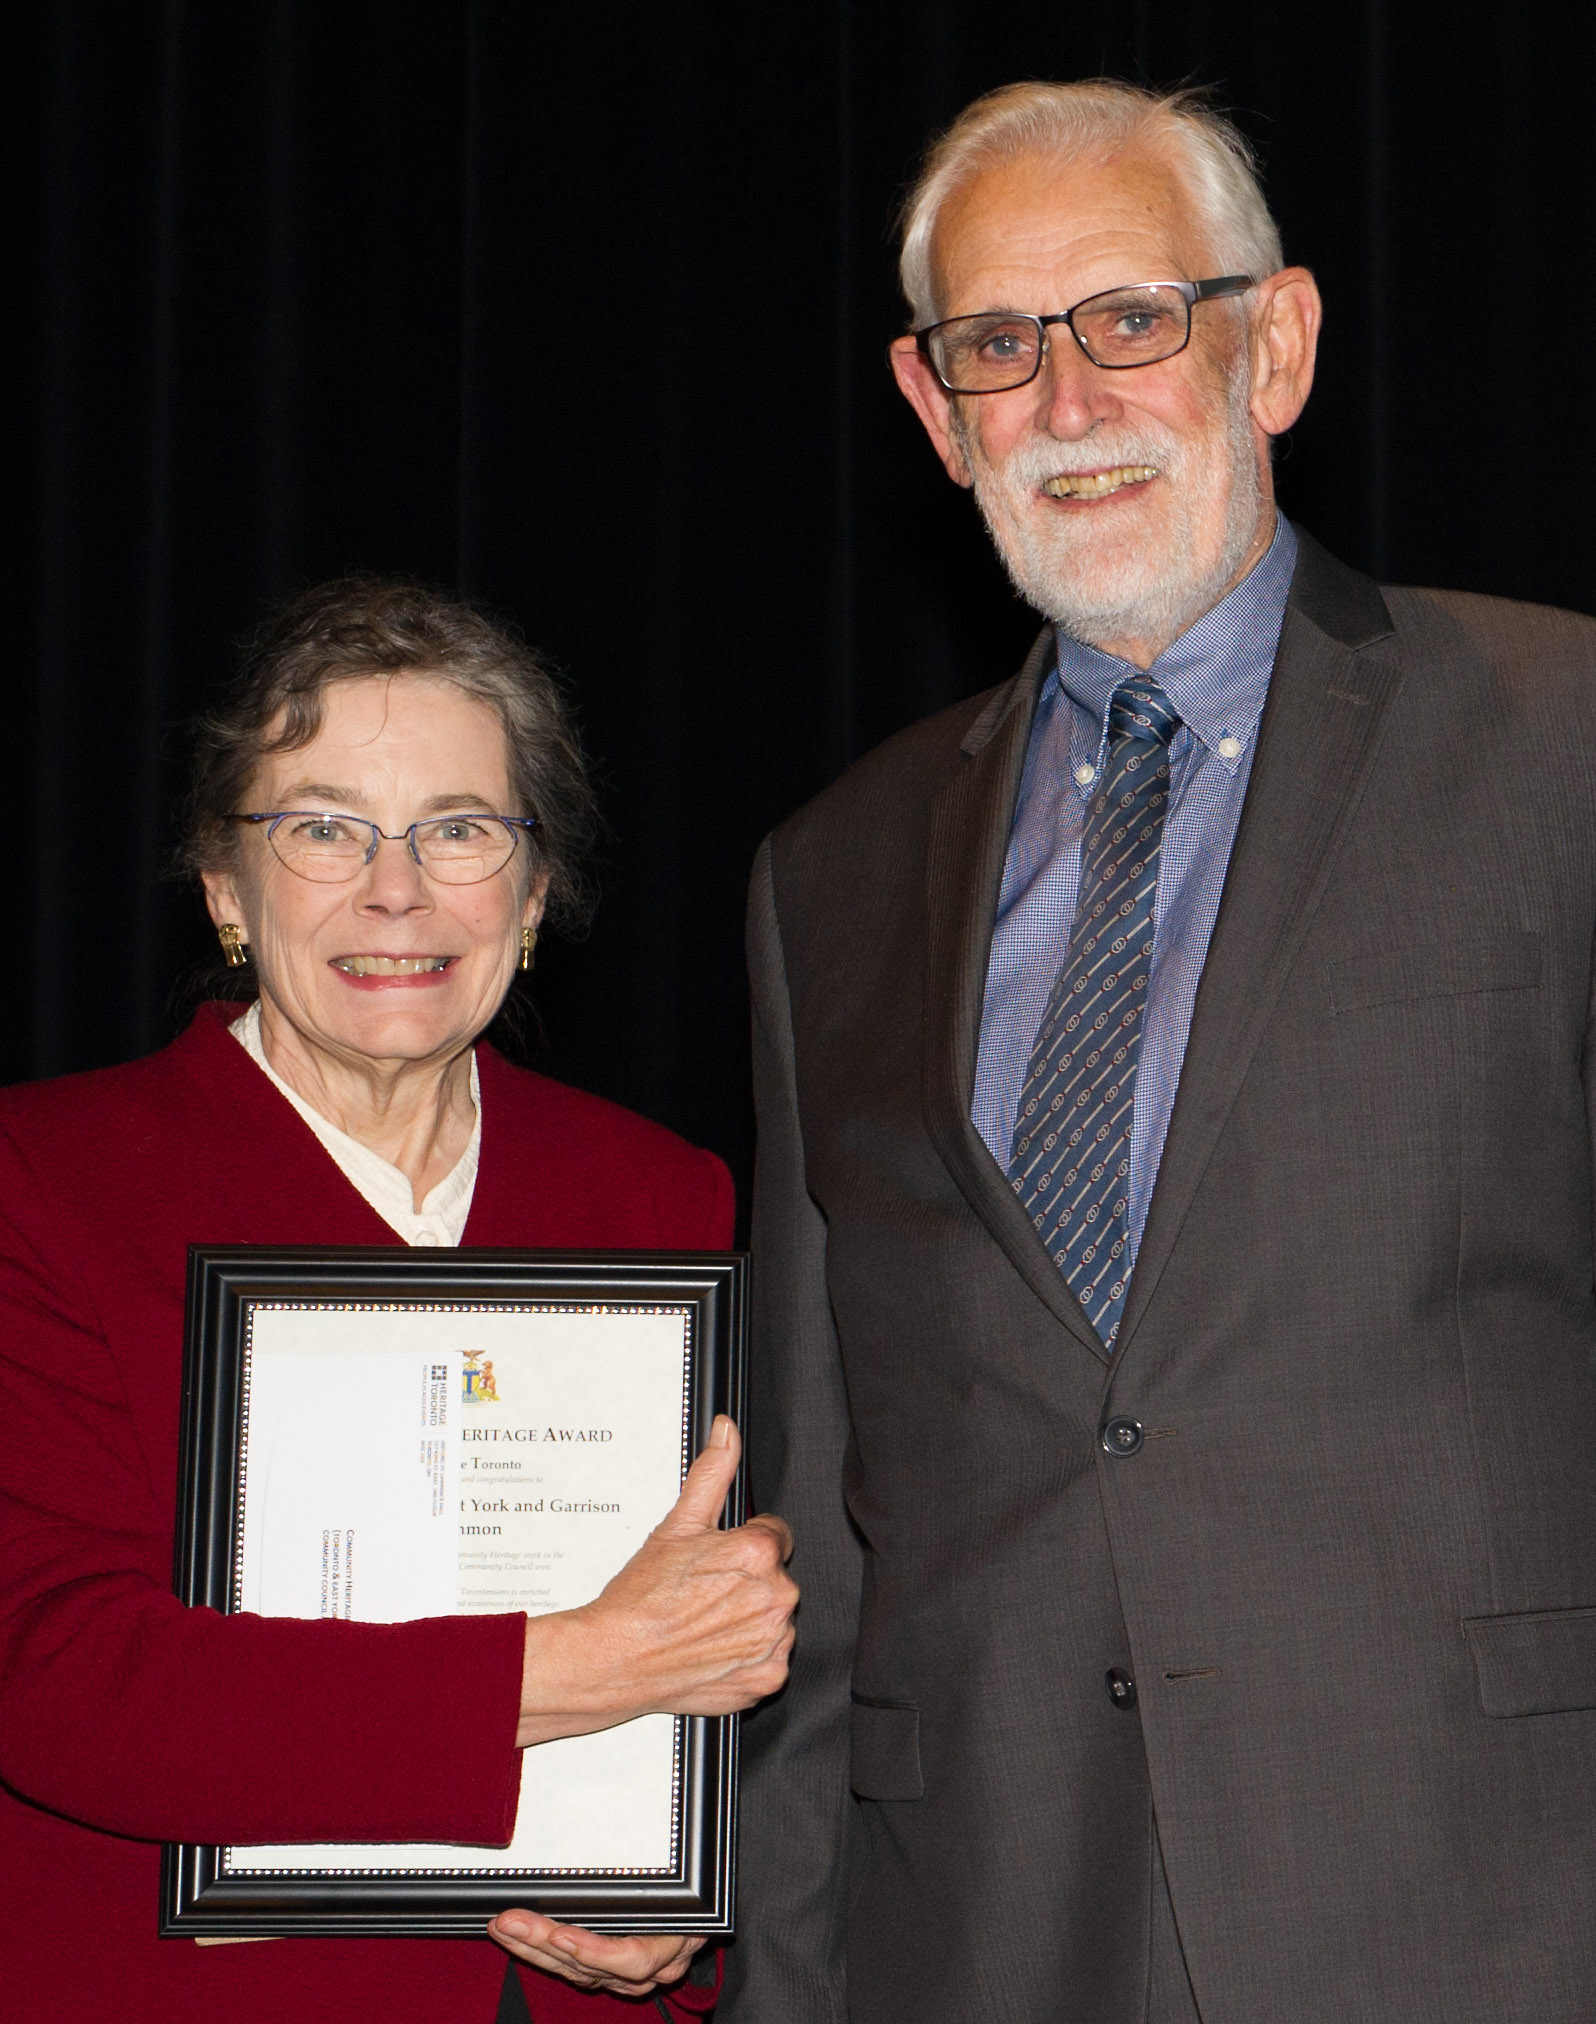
(199, 1898)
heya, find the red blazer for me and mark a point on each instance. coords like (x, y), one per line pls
(127, 1719)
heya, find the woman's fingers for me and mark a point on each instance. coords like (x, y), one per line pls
(706, 1485)
(630, 1965)
(698, 1621)
(778, 1528)
(709, 1617)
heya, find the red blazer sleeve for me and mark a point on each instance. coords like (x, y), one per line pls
(124, 1710)
(720, 1206)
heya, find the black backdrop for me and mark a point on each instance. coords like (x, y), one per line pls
(583, 309)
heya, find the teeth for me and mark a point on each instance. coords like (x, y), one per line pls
(1094, 484)
(389, 966)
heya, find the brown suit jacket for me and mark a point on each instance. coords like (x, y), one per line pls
(1352, 1566)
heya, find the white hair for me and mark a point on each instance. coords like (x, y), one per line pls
(1099, 122)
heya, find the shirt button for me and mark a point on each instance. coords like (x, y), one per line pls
(1086, 775)
(1121, 1687)
(426, 1237)
(1230, 748)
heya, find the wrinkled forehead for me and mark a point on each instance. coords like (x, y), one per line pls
(1040, 233)
(378, 731)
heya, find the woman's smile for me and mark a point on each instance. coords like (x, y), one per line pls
(374, 972)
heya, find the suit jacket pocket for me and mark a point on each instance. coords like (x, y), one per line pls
(1508, 962)
(884, 1756)
(1542, 1662)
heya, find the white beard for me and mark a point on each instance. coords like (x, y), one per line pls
(1102, 587)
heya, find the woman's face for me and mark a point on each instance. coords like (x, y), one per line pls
(393, 965)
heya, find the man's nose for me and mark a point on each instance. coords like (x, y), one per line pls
(1076, 394)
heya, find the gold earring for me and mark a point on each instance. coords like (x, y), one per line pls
(528, 938)
(231, 937)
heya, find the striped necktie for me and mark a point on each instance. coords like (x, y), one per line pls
(1070, 1162)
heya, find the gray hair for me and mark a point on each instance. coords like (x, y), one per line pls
(371, 626)
(1098, 121)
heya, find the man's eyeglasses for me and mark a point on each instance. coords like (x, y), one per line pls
(453, 849)
(1142, 324)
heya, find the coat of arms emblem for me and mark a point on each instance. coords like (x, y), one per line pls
(479, 1386)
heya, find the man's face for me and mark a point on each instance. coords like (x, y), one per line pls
(1124, 504)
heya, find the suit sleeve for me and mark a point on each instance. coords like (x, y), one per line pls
(124, 1710)
(1587, 1069)
(786, 1966)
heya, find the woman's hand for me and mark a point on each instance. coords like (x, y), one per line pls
(698, 1622)
(626, 1967)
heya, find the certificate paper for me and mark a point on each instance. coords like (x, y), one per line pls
(418, 1462)
(396, 1453)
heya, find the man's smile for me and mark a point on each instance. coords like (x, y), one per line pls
(1097, 484)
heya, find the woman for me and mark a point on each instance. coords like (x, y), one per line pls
(383, 814)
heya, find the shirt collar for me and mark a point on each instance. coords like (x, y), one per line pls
(1216, 674)
(386, 1187)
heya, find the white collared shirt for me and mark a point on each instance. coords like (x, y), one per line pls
(441, 1219)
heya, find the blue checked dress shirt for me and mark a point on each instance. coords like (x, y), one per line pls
(1216, 675)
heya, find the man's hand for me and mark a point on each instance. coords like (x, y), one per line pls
(698, 1622)
(626, 1967)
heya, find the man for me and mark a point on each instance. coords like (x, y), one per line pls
(1175, 1219)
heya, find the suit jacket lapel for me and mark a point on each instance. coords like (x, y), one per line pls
(969, 840)
(1321, 728)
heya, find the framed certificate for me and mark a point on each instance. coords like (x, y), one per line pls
(526, 1417)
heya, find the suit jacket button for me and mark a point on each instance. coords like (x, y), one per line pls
(1122, 1437)
(1121, 1687)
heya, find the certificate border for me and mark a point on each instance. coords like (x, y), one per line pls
(198, 1898)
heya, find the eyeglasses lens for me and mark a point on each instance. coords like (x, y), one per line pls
(985, 354)
(464, 849)
(1133, 326)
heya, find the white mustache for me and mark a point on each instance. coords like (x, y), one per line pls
(1033, 463)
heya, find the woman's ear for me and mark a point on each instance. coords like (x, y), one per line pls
(221, 899)
(536, 899)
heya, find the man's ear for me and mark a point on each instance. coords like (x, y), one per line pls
(931, 401)
(1285, 338)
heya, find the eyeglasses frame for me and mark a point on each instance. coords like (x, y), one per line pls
(1192, 292)
(277, 816)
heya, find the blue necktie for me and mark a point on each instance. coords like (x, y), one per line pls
(1070, 1162)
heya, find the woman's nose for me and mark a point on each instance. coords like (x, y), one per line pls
(395, 883)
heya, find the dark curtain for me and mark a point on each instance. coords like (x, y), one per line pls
(583, 309)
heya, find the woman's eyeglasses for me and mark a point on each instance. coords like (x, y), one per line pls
(331, 849)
